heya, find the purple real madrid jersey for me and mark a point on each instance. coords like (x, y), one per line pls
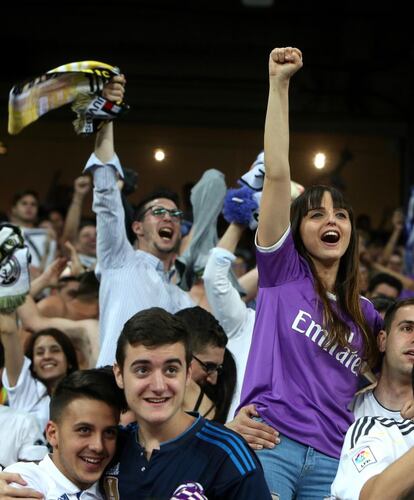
(300, 387)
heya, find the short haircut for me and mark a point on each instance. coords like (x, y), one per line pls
(392, 311)
(204, 329)
(154, 195)
(86, 222)
(97, 384)
(62, 339)
(88, 286)
(21, 194)
(387, 279)
(153, 328)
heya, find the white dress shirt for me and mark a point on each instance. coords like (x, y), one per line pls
(46, 478)
(130, 280)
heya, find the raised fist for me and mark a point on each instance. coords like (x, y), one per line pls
(284, 62)
(114, 90)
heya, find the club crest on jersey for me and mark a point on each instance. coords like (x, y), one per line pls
(10, 272)
(111, 488)
(363, 458)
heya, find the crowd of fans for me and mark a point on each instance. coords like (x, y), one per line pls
(152, 359)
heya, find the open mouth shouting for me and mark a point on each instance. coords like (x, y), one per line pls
(330, 237)
(166, 233)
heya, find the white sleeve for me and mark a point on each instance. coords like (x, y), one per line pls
(225, 301)
(367, 451)
(25, 394)
(112, 246)
(32, 443)
(32, 474)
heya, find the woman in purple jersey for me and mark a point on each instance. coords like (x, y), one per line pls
(313, 331)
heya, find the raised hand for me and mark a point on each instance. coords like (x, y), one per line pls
(114, 90)
(284, 62)
(82, 185)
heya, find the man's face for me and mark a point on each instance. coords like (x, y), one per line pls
(386, 290)
(154, 382)
(86, 243)
(395, 263)
(25, 210)
(84, 440)
(203, 367)
(158, 234)
(398, 344)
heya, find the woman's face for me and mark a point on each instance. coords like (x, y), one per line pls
(49, 361)
(326, 231)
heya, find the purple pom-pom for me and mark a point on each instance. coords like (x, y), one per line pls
(239, 205)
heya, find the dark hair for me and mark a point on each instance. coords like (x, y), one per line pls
(347, 279)
(161, 193)
(88, 287)
(85, 223)
(97, 384)
(387, 279)
(62, 339)
(152, 328)
(21, 194)
(382, 303)
(204, 329)
(392, 311)
(222, 392)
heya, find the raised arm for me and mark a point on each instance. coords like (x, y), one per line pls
(83, 333)
(275, 202)
(113, 247)
(225, 301)
(13, 349)
(81, 188)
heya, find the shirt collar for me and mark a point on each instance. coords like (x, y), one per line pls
(157, 264)
(62, 481)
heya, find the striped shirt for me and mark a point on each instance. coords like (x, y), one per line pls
(130, 280)
(371, 445)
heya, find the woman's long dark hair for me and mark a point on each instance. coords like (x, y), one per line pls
(63, 340)
(347, 279)
(222, 393)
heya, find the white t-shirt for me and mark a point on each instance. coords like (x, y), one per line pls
(29, 394)
(20, 437)
(371, 445)
(47, 478)
(366, 404)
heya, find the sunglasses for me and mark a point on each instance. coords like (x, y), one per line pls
(160, 212)
(210, 368)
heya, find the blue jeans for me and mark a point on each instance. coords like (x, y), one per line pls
(295, 471)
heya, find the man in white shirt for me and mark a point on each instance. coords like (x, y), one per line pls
(377, 460)
(393, 393)
(377, 457)
(82, 431)
(131, 278)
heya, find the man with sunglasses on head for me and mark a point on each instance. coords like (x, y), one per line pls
(132, 278)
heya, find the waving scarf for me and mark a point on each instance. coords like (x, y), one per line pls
(79, 83)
